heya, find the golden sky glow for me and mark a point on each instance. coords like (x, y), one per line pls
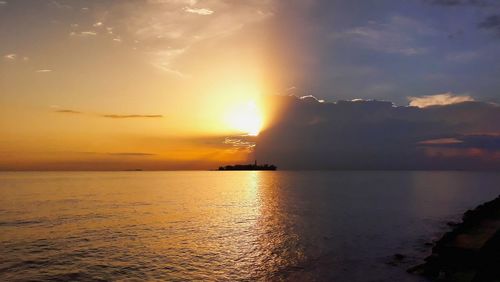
(192, 84)
(246, 118)
(118, 86)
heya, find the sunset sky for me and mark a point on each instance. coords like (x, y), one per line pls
(174, 84)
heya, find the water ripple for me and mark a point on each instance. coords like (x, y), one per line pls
(183, 226)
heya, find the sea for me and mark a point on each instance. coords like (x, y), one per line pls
(229, 225)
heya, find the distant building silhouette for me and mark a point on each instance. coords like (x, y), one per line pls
(253, 166)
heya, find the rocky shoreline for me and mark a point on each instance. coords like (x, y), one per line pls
(469, 252)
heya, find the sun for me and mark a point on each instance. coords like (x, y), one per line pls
(247, 119)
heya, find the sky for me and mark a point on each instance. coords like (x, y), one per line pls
(193, 84)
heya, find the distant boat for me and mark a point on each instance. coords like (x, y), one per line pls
(253, 166)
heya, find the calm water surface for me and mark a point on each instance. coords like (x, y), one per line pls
(294, 226)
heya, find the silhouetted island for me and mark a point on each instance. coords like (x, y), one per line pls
(253, 166)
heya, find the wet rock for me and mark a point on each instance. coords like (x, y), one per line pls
(396, 259)
(469, 252)
(399, 257)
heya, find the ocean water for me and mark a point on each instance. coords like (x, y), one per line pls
(229, 226)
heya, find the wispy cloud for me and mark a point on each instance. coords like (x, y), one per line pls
(398, 36)
(164, 60)
(83, 33)
(112, 116)
(88, 33)
(240, 141)
(171, 71)
(199, 11)
(439, 100)
(59, 5)
(131, 154)
(67, 111)
(446, 2)
(441, 141)
(452, 3)
(43, 70)
(170, 31)
(126, 154)
(15, 57)
(11, 56)
(462, 57)
(130, 116)
(3, 3)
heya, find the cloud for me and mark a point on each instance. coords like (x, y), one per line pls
(112, 116)
(240, 141)
(132, 154)
(83, 33)
(446, 2)
(478, 141)
(439, 100)
(130, 116)
(462, 57)
(15, 57)
(125, 154)
(457, 3)
(172, 32)
(164, 60)
(88, 33)
(59, 5)
(441, 141)
(491, 23)
(174, 72)
(67, 111)
(399, 35)
(364, 134)
(3, 3)
(11, 56)
(43, 70)
(199, 11)
(482, 150)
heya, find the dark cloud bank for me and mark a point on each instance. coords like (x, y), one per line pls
(481, 3)
(309, 134)
(491, 23)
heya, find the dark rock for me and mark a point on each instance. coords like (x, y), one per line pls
(470, 251)
(399, 257)
(396, 259)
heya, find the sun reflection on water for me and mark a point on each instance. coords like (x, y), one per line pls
(193, 226)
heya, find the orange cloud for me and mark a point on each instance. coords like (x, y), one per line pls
(441, 141)
(439, 100)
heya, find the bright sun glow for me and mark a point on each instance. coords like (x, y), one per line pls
(247, 119)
